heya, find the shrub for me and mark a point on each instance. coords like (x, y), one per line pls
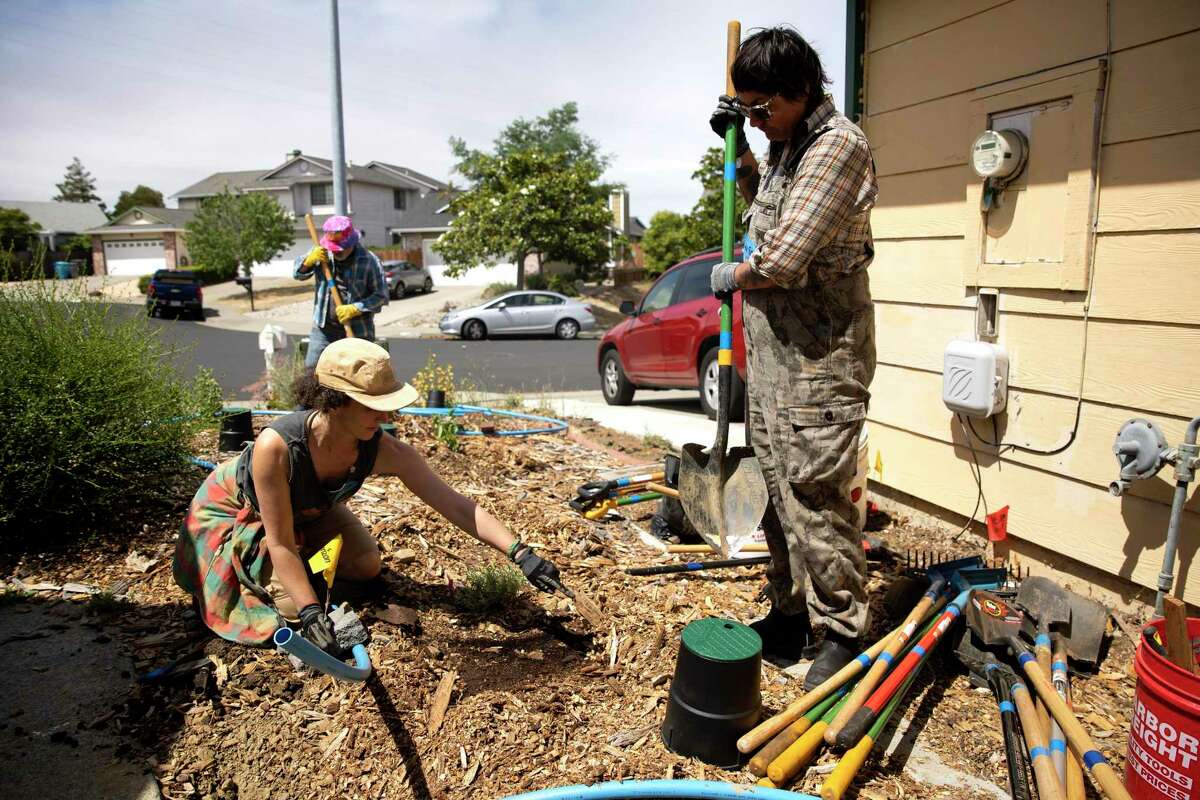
(431, 377)
(537, 282)
(489, 588)
(96, 420)
(497, 289)
(563, 284)
(280, 379)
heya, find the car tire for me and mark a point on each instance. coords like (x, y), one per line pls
(474, 330)
(709, 370)
(615, 387)
(398, 292)
(566, 329)
(428, 287)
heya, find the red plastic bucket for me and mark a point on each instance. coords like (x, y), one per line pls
(1163, 758)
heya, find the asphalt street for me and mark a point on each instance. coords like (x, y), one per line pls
(525, 365)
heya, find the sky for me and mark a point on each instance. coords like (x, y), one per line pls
(166, 92)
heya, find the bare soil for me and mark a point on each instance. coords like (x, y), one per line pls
(540, 698)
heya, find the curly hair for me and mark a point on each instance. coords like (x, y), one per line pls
(311, 394)
(779, 61)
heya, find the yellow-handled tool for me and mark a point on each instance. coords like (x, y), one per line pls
(333, 290)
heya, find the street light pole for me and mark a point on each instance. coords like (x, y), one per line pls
(339, 143)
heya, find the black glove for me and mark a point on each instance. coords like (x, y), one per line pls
(538, 571)
(726, 113)
(316, 627)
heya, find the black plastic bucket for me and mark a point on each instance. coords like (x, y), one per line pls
(237, 428)
(436, 398)
(715, 694)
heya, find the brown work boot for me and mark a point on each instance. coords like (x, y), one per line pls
(784, 636)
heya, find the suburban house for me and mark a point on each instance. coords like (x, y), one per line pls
(390, 205)
(59, 222)
(1085, 272)
(141, 241)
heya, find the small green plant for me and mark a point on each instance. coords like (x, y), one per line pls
(655, 442)
(445, 431)
(514, 401)
(433, 377)
(489, 588)
(107, 606)
(563, 284)
(537, 282)
(280, 379)
(497, 289)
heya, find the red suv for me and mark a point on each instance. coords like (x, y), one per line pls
(670, 339)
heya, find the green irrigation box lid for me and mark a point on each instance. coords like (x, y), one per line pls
(722, 639)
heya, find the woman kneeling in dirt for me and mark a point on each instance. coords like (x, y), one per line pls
(258, 518)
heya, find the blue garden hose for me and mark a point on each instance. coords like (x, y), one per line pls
(293, 643)
(614, 790)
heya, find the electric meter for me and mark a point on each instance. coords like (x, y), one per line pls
(998, 154)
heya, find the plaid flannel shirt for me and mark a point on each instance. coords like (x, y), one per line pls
(360, 282)
(824, 229)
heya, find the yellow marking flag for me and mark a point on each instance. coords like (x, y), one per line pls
(325, 560)
(878, 465)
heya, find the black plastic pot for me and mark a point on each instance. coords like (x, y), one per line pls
(236, 429)
(435, 399)
(715, 694)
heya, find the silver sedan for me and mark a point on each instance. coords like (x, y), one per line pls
(521, 312)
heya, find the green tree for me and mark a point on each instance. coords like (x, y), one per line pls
(539, 192)
(78, 186)
(17, 230)
(232, 230)
(707, 214)
(141, 196)
(670, 237)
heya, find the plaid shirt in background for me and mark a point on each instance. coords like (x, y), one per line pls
(359, 281)
(824, 229)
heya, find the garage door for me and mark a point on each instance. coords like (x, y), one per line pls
(431, 258)
(134, 256)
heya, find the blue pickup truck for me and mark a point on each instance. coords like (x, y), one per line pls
(176, 290)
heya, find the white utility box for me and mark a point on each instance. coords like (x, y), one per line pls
(975, 378)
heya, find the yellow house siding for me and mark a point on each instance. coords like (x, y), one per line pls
(925, 63)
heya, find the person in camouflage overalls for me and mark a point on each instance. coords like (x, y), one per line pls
(810, 339)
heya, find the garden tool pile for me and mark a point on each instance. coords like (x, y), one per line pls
(849, 712)
(595, 499)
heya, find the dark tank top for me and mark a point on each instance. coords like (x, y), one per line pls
(310, 498)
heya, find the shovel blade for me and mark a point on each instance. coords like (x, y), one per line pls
(723, 495)
(1080, 620)
(994, 621)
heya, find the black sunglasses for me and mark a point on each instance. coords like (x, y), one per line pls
(760, 112)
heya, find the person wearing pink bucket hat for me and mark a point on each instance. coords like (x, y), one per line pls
(360, 283)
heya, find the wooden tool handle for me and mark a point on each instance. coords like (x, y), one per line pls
(875, 674)
(774, 748)
(337, 297)
(1077, 738)
(1042, 652)
(755, 738)
(844, 773)
(753, 547)
(797, 757)
(666, 491)
(1043, 768)
(1179, 644)
(733, 38)
(1073, 782)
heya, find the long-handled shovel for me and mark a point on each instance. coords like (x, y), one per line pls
(722, 489)
(998, 623)
(333, 290)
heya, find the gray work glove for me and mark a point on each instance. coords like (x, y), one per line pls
(726, 113)
(317, 628)
(722, 281)
(538, 571)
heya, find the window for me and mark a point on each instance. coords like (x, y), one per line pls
(321, 194)
(399, 199)
(395, 238)
(696, 281)
(546, 300)
(515, 301)
(660, 296)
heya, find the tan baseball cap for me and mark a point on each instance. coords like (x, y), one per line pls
(363, 370)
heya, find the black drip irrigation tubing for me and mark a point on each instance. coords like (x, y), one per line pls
(553, 426)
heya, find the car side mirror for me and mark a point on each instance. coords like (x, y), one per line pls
(501, 305)
(628, 308)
